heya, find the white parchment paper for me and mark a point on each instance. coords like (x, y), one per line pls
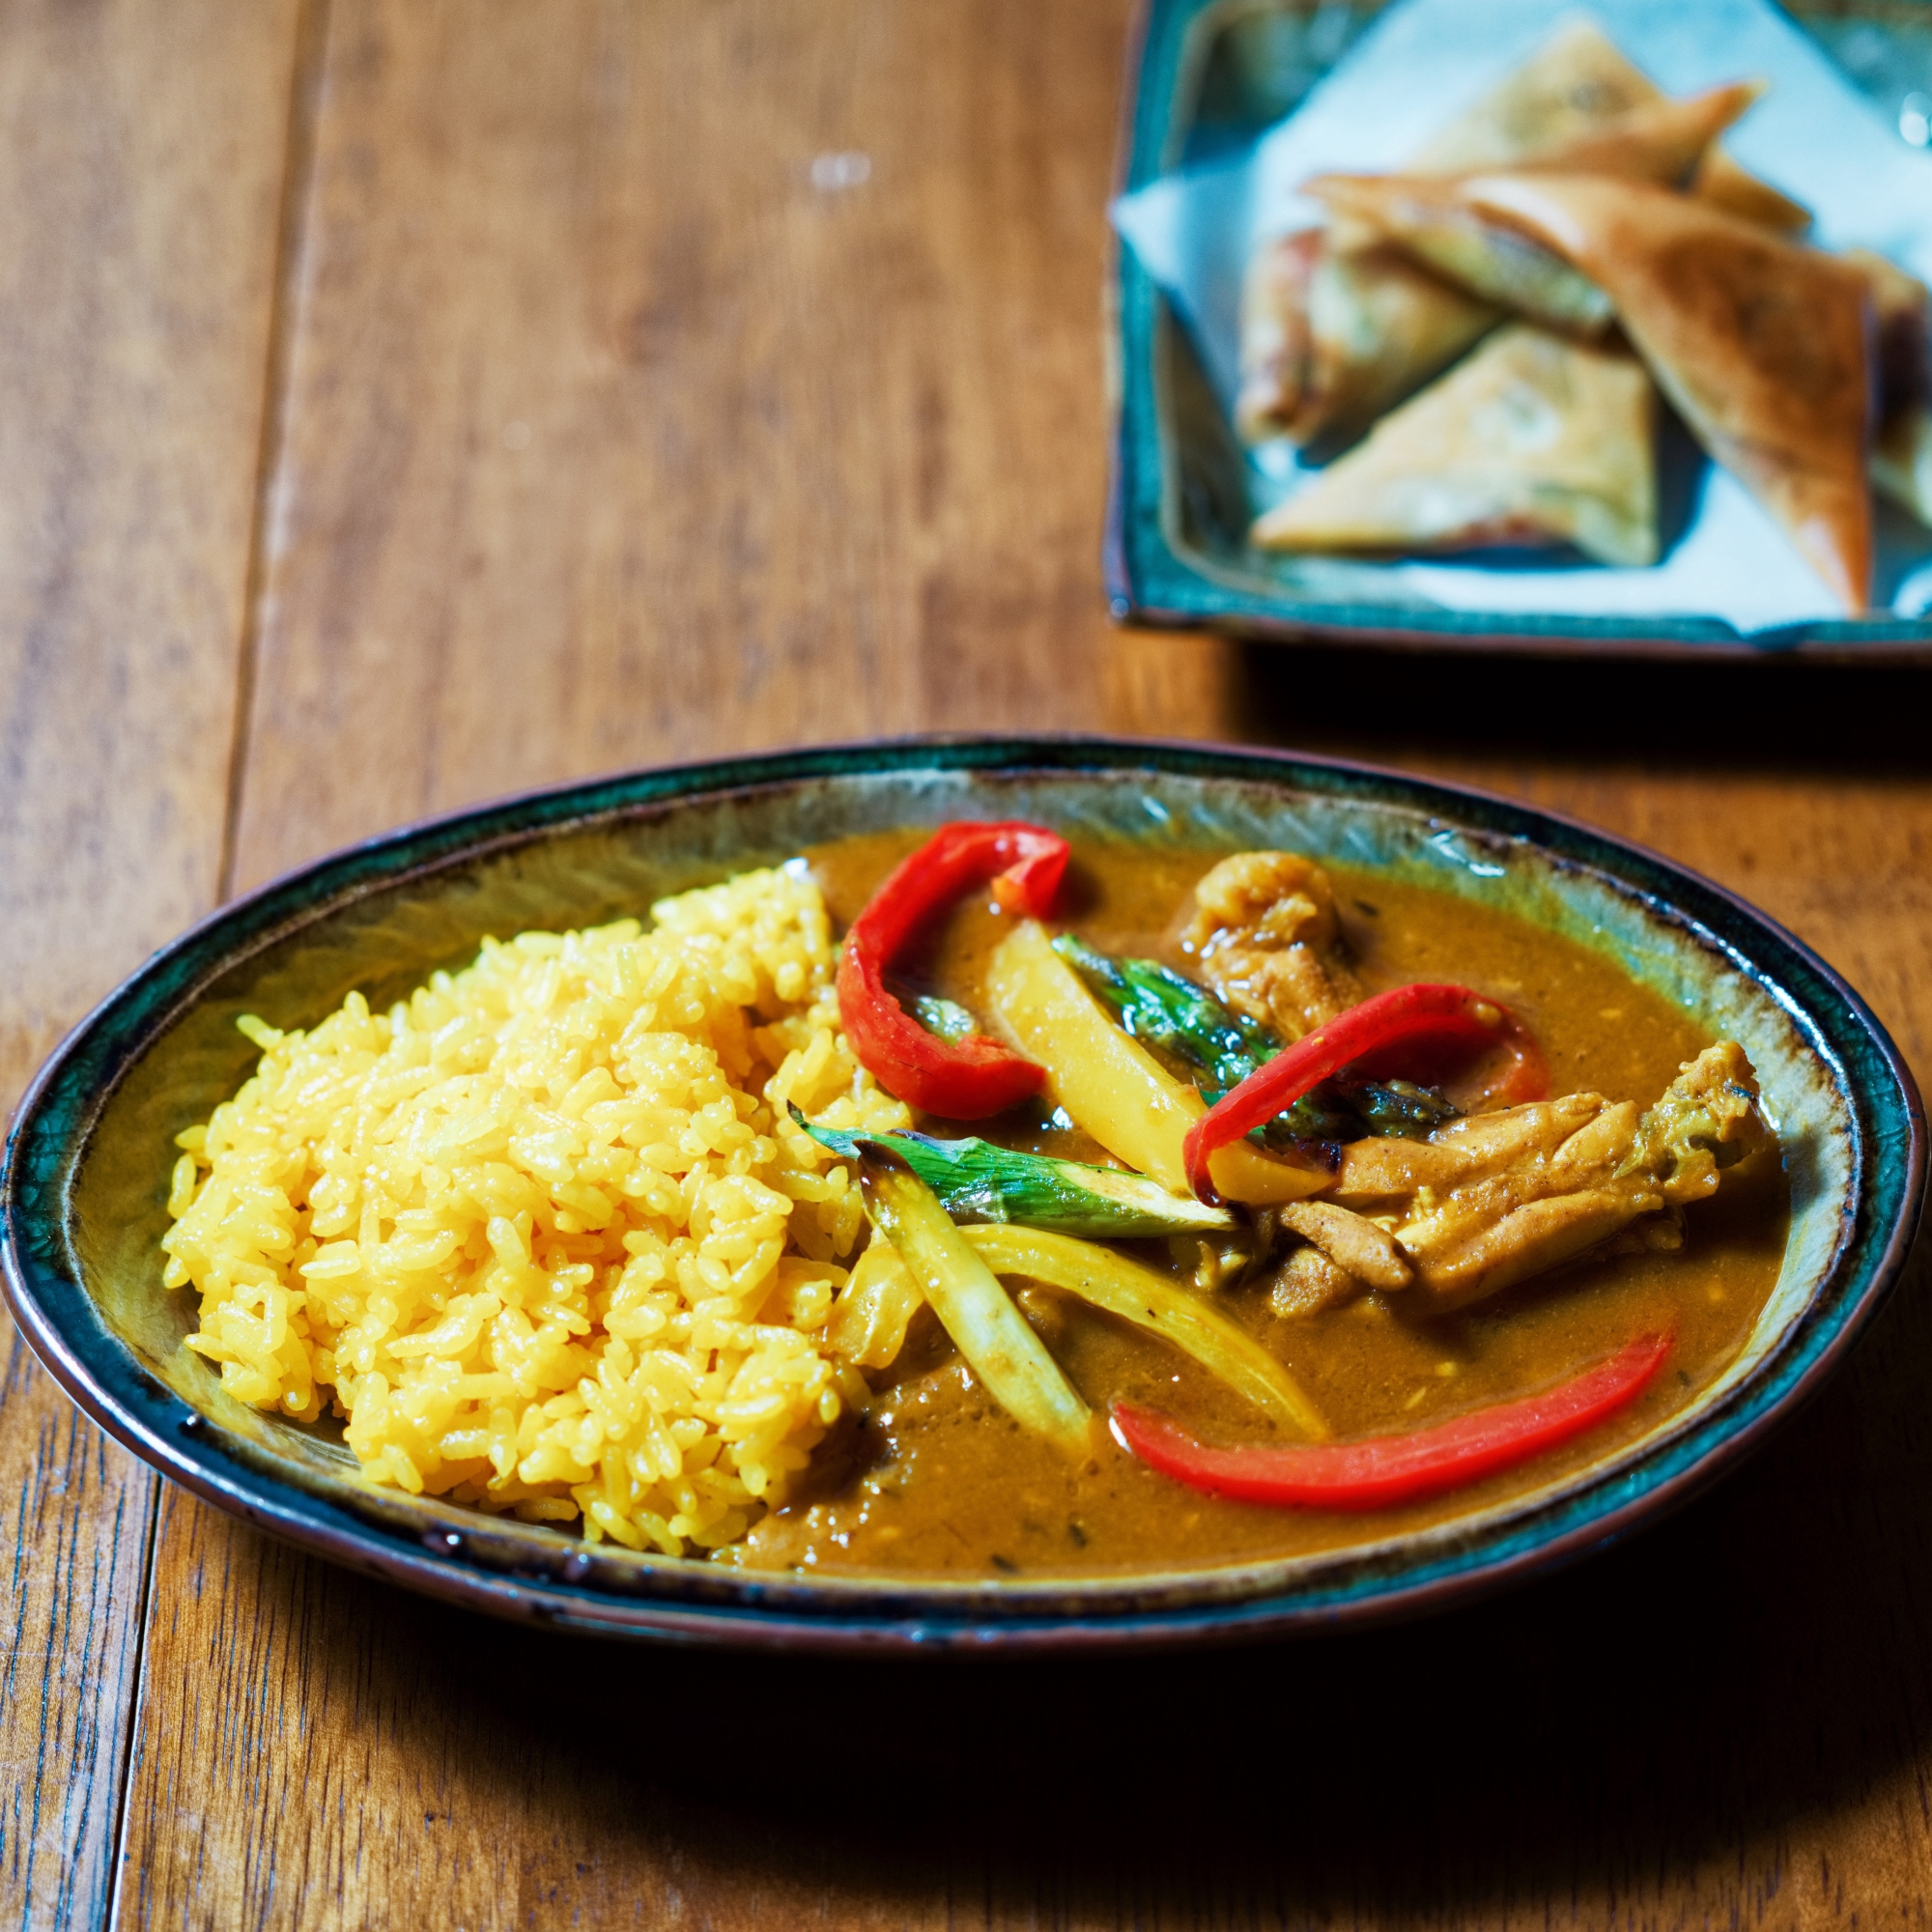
(1815, 137)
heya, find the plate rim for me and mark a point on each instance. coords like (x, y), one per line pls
(161, 1428)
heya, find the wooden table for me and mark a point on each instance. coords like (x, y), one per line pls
(402, 403)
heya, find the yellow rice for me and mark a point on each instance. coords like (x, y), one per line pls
(543, 1233)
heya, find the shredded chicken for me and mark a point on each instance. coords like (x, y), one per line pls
(1265, 935)
(1353, 1241)
(1494, 1198)
(1487, 1200)
(1308, 1282)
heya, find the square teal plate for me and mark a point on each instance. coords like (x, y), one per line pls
(1205, 78)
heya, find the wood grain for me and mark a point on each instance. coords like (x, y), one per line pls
(615, 433)
(138, 246)
(71, 1604)
(609, 436)
(141, 152)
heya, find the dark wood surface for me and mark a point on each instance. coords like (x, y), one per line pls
(405, 402)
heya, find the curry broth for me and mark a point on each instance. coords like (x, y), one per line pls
(936, 1478)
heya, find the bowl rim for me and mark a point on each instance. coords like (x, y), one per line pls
(779, 1610)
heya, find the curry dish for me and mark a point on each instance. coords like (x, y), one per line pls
(978, 1202)
(934, 1476)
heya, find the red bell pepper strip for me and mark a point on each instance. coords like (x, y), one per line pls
(1371, 1038)
(1388, 1470)
(960, 1080)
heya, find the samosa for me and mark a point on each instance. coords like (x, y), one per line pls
(1572, 85)
(1337, 326)
(1332, 336)
(1901, 453)
(1723, 183)
(1761, 344)
(1660, 141)
(1533, 439)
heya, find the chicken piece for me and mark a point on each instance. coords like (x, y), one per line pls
(1464, 1151)
(1351, 1241)
(1307, 1282)
(1269, 943)
(1492, 1200)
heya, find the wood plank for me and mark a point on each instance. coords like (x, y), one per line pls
(71, 1604)
(613, 438)
(803, 463)
(141, 152)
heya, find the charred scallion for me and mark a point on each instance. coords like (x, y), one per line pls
(1174, 1015)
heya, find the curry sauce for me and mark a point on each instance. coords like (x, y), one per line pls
(936, 1478)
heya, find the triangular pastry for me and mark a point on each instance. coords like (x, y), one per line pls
(1532, 440)
(1901, 454)
(1332, 337)
(1660, 141)
(1336, 326)
(1761, 344)
(1723, 183)
(1490, 260)
(1572, 85)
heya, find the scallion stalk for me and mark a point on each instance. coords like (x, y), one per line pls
(976, 1180)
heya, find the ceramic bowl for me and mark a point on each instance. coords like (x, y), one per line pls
(83, 1193)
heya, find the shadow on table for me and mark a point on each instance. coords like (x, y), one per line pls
(1648, 1721)
(1783, 714)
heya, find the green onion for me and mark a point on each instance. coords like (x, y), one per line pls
(1399, 1109)
(1176, 1315)
(985, 1326)
(1158, 1005)
(976, 1180)
(945, 1018)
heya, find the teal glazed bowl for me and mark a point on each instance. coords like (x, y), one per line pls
(84, 1188)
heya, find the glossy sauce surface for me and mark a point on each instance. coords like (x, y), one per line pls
(936, 1479)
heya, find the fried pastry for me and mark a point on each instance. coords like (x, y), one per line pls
(1333, 336)
(1533, 439)
(1336, 326)
(1660, 141)
(1762, 345)
(1575, 84)
(1901, 456)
